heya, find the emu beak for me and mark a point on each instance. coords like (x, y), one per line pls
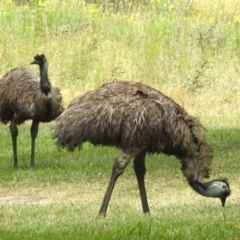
(223, 200)
(34, 62)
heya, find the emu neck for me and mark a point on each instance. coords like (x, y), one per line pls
(44, 81)
(199, 187)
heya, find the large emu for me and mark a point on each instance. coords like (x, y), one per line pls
(139, 119)
(24, 94)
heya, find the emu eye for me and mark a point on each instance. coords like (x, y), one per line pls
(224, 187)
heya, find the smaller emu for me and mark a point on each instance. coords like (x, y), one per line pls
(24, 95)
(139, 119)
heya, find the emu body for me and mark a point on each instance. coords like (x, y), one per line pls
(139, 120)
(27, 95)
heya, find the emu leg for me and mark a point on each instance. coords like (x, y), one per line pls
(34, 133)
(14, 134)
(140, 170)
(118, 168)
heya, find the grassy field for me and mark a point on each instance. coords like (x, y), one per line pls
(61, 196)
(187, 49)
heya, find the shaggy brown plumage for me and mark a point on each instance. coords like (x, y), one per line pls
(137, 119)
(24, 95)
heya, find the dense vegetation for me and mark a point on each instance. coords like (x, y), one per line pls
(188, 49)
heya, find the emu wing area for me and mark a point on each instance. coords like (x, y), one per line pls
(124, 114)
(21, 98)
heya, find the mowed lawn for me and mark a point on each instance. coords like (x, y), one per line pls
(61, 196)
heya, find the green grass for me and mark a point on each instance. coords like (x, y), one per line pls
(71, 222)
(187, 49)
(61, 196)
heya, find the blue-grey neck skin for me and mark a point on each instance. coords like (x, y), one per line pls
(216, 189)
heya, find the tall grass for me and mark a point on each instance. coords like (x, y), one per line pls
(187, 49)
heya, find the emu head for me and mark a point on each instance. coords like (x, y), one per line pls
(216, 189)
(39, 60)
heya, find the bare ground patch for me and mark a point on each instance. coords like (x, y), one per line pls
(20, 199)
